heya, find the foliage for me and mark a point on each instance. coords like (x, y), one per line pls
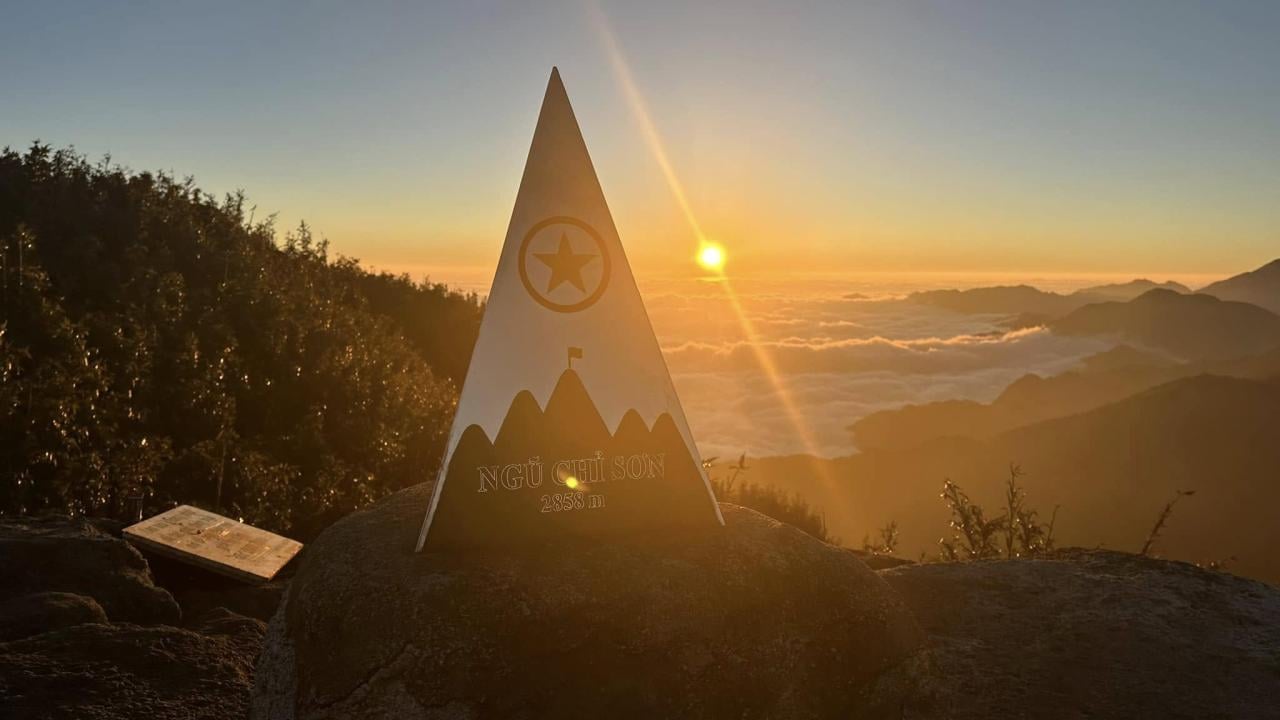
(1023, 534)
(888, 543)
(977, 537)
(158, 346)
(1163, 518)
(786, 507)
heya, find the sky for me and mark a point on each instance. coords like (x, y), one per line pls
(897, 137)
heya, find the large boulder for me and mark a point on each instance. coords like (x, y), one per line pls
(1093, 634)
(126, 671)
(60, 554)
(39, 612)
(753, 620)
(86, 633)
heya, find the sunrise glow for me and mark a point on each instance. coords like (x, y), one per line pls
(711, 257)
(590, 337)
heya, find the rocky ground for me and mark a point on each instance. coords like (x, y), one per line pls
(86, 631)
(1092, 634)
(757, 621)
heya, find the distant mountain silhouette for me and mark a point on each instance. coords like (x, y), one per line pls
(1102, 378)
(1124, 357)
(660, 487)
(1129, 290)
(1010, 299)
(1193, 327)
(1032, 304)
(1111, 469)
(1025, 320)
(1255, 367)
(1260, 287)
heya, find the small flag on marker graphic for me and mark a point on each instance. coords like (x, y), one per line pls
(575, 353)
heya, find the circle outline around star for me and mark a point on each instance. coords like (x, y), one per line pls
(546, 302)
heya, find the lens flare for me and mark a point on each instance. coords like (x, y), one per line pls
(623, 73)
(571, 482)
(711, 257)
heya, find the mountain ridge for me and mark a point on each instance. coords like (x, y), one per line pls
(1102, 378)
(1194, 327)
(1260, 287)
(1026, 299)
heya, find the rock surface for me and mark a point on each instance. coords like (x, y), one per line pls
(753, 620)
(86, 633)
(121, 671)
(1093, 634)
(757, 621)
(40, 612)
(72, 556)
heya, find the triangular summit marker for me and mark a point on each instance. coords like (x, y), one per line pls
(568, 424)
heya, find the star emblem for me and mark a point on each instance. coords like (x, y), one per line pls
(566, 265)
(545, 273)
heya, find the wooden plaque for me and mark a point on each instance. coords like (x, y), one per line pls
(215, 543)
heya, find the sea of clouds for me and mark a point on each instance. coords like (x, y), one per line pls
(812, 357)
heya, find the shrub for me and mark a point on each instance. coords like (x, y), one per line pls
(1163, 518)
(977, 537)
(778, 504)
(888, 543)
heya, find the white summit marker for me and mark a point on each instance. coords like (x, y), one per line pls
(568, 423)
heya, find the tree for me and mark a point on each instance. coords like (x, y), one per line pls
(158, 345)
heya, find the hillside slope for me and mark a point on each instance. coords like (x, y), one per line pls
(1260, 287)
(1102, 378)
(1110, 469)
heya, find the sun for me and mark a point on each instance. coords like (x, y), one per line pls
(711, 257)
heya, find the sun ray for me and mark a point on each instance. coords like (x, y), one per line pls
(640, 109)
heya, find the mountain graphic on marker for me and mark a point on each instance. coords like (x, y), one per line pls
(568, 424)
(648, 477)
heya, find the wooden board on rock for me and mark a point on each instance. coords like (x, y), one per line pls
(215, 543)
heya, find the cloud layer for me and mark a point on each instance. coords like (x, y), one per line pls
(835, 359)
